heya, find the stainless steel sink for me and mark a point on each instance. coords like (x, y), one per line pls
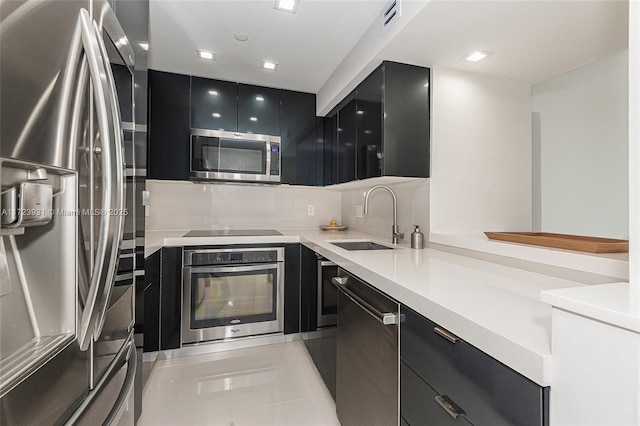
(361, 245)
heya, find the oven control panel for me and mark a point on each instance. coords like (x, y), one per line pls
(228, 257)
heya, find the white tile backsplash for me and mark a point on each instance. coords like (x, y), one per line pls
(176, 205)
(413, 208)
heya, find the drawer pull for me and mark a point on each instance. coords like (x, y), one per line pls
(446, 334)
(447, 406)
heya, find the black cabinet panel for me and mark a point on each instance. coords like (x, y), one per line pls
(168, 132)
(214, 104)
(170, 297)
(347, 142)
(369, 126)
(406, 120)
(259, 110)
(123, 80)
(291, 288)
(298, 144)
(418, 404)
(151, 327)
(308, 288)
(330, 149)
(489, 392)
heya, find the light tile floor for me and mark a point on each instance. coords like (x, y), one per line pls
(273, 385)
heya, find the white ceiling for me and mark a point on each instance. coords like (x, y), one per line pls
(308, 45)
(531, 41)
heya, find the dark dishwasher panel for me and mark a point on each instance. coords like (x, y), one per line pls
(367, 358)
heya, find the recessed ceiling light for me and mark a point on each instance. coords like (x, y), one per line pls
(259, 98)
(253, 118)
(213, 92)
(476, 55)
(241, 36)
(203, 54)
(359, 112)
(268, 65)
(144, 46)
(290, 6)
(216, 115)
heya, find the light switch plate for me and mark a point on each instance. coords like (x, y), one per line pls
(358, 210)
(311, 210)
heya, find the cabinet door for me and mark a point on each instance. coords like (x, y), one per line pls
(369, 126)
(298, 145)
(406, 120)
(168, 149)
(330, 149)
(347, 142)
(292, 288)
(418, 404)
(489, 392)
(170, 297)
(258, 110)
(214, 104)
(151, 326)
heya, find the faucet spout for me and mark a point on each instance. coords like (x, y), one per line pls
(396, 235)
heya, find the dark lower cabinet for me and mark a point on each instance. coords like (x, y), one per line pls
(291, 288)
(162, 298)
(168, 131)
(418, 402)
(481, 388)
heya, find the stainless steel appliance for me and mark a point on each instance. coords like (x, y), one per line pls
(232, 292)
(67, 321)
(229, 156)
(233, 233)
(367, 360)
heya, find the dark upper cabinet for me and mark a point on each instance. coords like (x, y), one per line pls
(369, 126)
(258, 110)
(168, 131)
(214, 104)
(347, 141)
(299, 145)
(383, 127)
(406, 120)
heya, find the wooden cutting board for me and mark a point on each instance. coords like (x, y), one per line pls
(562, 241)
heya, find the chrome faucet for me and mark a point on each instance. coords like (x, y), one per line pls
(396, 236)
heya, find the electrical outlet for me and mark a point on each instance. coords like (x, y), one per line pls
(311, 210)
(358, 210)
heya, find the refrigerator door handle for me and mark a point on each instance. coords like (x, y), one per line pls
(112, 207)
(118, 173)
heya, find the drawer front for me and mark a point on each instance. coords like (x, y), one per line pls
(418, 404)
(488, 391)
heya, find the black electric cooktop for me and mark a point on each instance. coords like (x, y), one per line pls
(232, 233)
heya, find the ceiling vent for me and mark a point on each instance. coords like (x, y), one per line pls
(390, 14)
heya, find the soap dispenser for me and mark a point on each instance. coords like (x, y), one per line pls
(417, 238)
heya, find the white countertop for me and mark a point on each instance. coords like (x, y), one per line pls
(496, 308)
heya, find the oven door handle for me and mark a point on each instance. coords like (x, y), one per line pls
(225, 269)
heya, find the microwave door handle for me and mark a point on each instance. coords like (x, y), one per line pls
(103, 269)
(116, 148)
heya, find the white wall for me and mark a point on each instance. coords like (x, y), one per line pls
(480, 153)
(413, 208)
(583, 134)
(184, 205)
(634, 154)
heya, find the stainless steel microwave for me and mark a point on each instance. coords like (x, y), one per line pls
(217, 155)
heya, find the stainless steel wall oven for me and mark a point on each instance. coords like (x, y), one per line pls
(232, 292)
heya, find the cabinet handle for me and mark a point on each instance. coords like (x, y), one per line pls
(447, 406)
(446, 334)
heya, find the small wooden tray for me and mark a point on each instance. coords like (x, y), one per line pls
(562, 241)
(333, 227)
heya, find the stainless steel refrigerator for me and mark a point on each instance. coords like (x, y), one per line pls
(67, 287)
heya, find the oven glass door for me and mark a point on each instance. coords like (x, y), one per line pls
(230, 295)
(212, 154)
